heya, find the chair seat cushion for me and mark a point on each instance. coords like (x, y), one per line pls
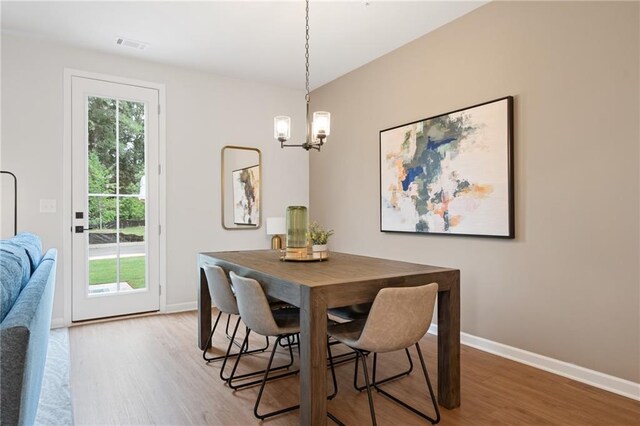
(288, 320)
(347, 332)
(278, 304)
(352, 312)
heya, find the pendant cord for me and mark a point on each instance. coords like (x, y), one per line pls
(307, 96)
(306, 54)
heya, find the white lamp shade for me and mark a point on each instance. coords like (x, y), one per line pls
(282, 127)
(276, 226)
(321, 123)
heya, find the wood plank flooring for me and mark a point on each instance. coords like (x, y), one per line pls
(149, 370)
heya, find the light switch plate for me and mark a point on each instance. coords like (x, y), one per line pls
(47, 206)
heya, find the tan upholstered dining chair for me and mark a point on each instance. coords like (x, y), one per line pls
(225, 301)
(398, 319)
(282, 324)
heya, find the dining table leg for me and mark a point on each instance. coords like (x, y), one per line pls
(449, 345)
(204, 311)
(313, 358)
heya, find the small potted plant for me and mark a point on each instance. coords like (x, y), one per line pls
(319, 237)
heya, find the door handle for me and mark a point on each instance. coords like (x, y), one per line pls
(80, 229)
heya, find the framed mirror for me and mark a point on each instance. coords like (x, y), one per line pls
(241, 188)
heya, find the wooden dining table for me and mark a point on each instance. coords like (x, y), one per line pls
(342, 280)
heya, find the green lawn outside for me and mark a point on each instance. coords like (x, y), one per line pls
(103, 271)
(134, 230)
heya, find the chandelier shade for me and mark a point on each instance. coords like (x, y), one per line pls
(282, 128)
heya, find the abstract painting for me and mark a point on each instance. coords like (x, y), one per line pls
(246, 196)
(450, 174)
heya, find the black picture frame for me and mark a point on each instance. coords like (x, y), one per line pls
(431, 198)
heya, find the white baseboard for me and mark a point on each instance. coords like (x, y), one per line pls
(58, 323)
(594, 378)
(171, 308)
(180, 307)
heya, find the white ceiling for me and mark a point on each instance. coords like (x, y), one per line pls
(261, 41)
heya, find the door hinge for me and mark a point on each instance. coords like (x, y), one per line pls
(159, 229)
(158, 109)
(159, 169)
(160, 290)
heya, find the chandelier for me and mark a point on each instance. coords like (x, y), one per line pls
(319, 128)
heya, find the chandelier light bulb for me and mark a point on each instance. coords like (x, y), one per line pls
(321, 124)
(282, 128)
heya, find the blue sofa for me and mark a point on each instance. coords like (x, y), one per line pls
(27, 281)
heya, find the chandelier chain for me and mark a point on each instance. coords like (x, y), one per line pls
(306, 54)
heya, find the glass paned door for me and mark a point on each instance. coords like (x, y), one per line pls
(116, 195)
(115, 146)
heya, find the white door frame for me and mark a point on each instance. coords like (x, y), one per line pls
(67, 223)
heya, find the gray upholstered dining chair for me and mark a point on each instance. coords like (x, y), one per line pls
(353, 313)
(225, 301)
(398, 319)
(282, 324)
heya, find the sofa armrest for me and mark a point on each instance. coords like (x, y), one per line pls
(25, 336)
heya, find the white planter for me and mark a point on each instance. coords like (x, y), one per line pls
(320, 251)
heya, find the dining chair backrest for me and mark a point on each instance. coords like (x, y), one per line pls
(399, 318)
(254, 306)
(220, 290)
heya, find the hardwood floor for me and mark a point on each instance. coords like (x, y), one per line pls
(149, 370)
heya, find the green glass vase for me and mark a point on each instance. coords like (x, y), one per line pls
(297, 226)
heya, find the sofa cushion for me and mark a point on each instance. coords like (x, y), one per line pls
(32, 245)
(16, 253)
(15, 270)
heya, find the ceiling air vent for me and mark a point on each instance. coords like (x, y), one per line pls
(126, 42)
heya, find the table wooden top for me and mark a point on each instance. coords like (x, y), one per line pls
(340, 268)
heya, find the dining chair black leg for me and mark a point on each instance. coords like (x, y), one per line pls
(206, 346)
(388, 379)
(394, 377)
(266, 378)
(266, 346)
(253, 351)
(235, 364)
(230, 380)
(231, 342)
(355, 371)
(333, 374)
(264, 381)
(257, 350)
(409, 407)
(341, 358)
(335, 419)
(295, 341)
(368, 386)
(434, 401)
(226, 329)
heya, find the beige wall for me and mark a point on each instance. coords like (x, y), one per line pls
(204, 112)
(568, 286)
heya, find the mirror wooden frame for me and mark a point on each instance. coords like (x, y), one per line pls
(223, 181)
